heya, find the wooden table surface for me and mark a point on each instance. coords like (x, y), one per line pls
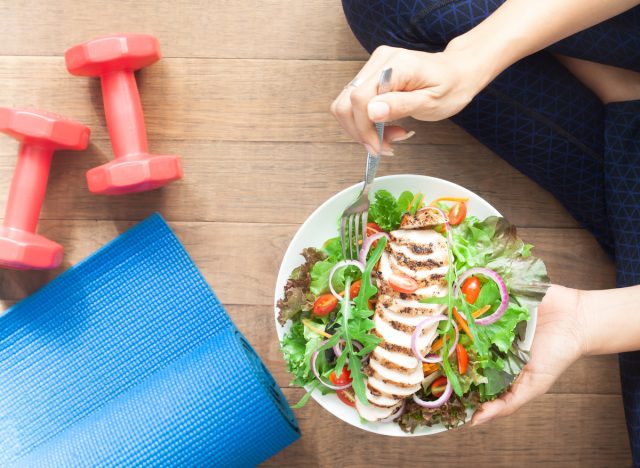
(242, 93)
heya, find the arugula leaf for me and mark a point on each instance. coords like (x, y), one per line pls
(305, 398)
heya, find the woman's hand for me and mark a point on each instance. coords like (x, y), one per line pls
(425, 86)
(559, 341)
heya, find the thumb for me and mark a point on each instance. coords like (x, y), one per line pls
(395, 105)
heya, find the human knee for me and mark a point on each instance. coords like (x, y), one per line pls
(426, 25)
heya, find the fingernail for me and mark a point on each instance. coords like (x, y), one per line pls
(404, 137)
(378, 110)
(386, 152)
(478, 419)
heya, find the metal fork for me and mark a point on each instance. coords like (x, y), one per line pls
(354, 217)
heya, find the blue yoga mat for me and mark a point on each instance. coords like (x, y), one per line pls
(129, 359)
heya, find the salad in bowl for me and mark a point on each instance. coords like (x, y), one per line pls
(434, 317)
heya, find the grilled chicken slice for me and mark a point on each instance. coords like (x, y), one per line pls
(394, 373)
(375, 413)
(386, 388)
(379, 399)
(424, 218)
(394, 360)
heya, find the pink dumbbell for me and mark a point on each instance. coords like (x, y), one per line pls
(41, 133)
(114, 59)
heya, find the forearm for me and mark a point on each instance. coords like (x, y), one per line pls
(522, 27)
(610, 320)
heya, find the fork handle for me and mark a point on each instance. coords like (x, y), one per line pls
(373, 161)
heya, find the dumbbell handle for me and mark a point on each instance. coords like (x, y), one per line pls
(123, 112)
(28, 187)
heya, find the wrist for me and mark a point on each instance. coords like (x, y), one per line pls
(564, 310)
(479, 66)
(583, 324)
(488, 53)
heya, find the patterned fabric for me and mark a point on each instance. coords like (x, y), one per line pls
(622, 176)
(543, 121)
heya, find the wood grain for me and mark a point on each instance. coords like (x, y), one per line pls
(243, 95)
(258, 182)
(222, 29)
(552, 431)
(205, 99)
(241, 260)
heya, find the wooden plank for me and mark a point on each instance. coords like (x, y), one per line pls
(224, 28)
(241, 261)
(280, 182)
(554, 430)
(191, 99)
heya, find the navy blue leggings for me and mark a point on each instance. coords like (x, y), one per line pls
(542, 120)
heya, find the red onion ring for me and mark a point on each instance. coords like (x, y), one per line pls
(397, 414)
(362, 257)
(336, 267)
(448, 390)
(435, 358)
(431, 358)
(338, 350)
(502, 287)
(314, 357)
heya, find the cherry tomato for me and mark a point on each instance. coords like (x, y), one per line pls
(355, 289)
(438, 386)
(344, 379)
(471, 289)
(372, 228)
(346, 397)
(403, 284)
(463, 358)
(324, 305)
(457, 213)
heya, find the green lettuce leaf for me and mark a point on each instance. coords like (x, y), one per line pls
(297, 347)
(386, 211)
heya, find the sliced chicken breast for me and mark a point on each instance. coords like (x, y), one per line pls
(375, 413)
(414, 377)
(398, 361)
(393, 371)
(410, 307)
(424, 218)
(389, 389)
(379, 399)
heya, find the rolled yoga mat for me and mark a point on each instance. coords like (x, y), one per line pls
(129, 359)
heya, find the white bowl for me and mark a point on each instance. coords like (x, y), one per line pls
(322, 225)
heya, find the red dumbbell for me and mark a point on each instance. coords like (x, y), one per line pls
(41, 133)
(114, 59)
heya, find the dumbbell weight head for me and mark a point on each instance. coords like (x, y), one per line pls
(112, 53)
(35, 126)
(40, 134)
(113, 59)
